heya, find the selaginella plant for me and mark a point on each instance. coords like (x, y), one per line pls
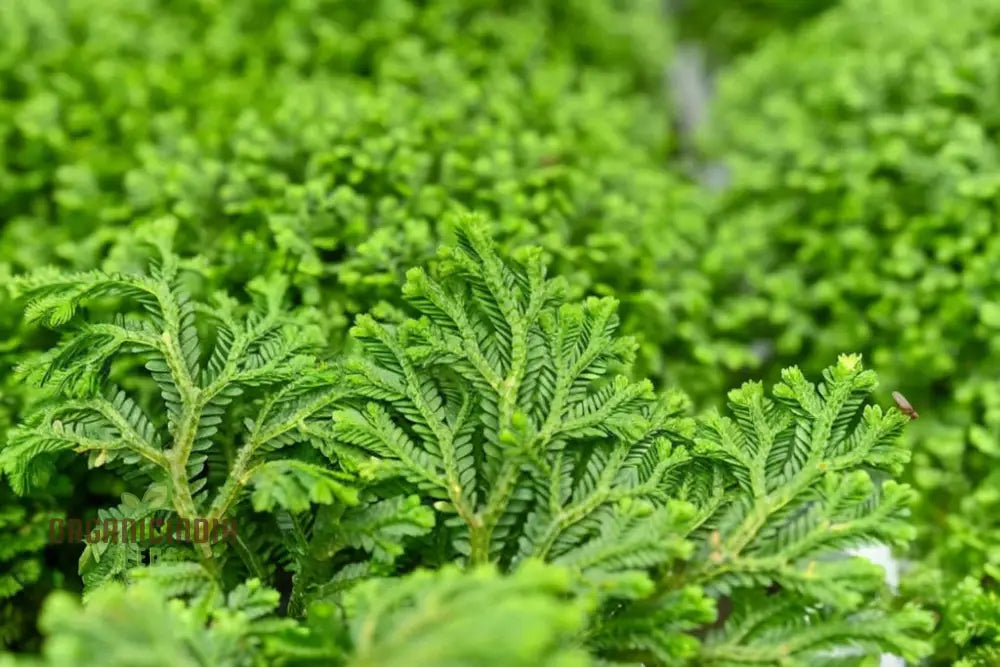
(868, 222)
(327, 153)
(203, 406)
(488, 452)
(23, 531)
(727, 30)
(302, 132)
(510, 410)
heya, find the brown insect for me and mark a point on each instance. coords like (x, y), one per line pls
(904, 405)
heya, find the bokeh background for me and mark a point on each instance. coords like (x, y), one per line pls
(760, 183)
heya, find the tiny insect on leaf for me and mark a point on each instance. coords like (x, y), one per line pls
(904, 405)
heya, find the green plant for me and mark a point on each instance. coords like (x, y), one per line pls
(437, 619)
(861, 217)
(967, 631)
(501, 404)
(229, 127)
(728, 29)
(199, 197)
(23, 533)
(493, 438)
(140, 391)
(330, 152)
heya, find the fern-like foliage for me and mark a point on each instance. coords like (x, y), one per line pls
(968, 611)
(138, 625)
(556, 511)
(785, 485)
(324, 545)
(441, 618)
(971, 623)
(501, 404)
(194, 401)
(23, 532)
(511, 411)
(21, 535)
(479, 617)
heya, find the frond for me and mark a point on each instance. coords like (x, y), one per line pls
(803, 487)
(209, 380)
(439, 618)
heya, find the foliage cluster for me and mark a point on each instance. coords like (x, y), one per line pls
(345, 136)
(728, 29)
(488, 446)
(863, 214)
(327, 142)
(418, 295)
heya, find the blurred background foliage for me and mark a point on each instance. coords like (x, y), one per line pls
(334, 141)
(728, 29)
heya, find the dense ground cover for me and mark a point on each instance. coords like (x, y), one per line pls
(420, 295)
(324, 141)
(728, 30)
(866, 176)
